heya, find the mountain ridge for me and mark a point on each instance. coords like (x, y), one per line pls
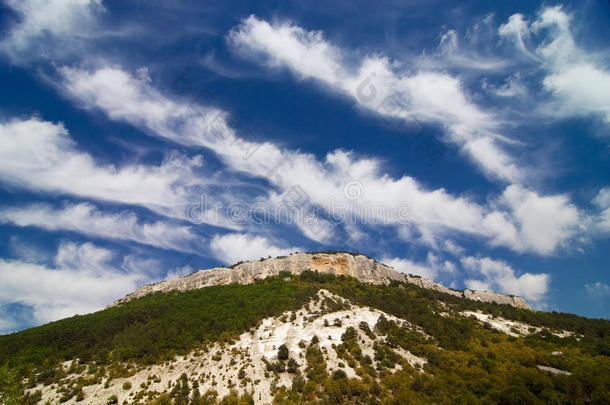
(354, 265)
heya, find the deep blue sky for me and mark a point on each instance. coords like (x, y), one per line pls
(118, 118)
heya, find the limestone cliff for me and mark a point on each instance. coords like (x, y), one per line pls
(358, 266)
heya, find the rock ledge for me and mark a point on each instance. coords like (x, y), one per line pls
(353, 265)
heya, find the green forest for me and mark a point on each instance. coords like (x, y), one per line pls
(468, 362)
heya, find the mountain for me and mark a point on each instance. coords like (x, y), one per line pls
(309, 328)
(358, 266)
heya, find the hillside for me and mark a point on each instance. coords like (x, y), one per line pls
(309, 337)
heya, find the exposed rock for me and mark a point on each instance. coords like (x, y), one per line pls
(431, 285)
(489, 296)
(514, 328)
(353, 265)
(553, 370)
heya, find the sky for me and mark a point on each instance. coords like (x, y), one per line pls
(144, 140)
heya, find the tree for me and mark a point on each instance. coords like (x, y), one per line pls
(292, 366)
(10, 389)
(283, 352)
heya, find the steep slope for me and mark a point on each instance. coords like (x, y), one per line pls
(358, 266)
(245, 365)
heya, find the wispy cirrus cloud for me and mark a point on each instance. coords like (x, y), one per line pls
(49, 28)
(598, 289)
(436, 213)
(87, 219)
(429, 96)
(578, 79)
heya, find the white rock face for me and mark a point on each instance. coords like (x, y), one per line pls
(490, 296)
(514, 328)
(353, 265)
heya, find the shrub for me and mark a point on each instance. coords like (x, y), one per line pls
(282, 352)
(292, 366)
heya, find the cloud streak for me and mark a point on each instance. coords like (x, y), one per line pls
(88, 220)
(427, 96)
(436, 213)
(82, 281)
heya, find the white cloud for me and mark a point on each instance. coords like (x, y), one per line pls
(517, 28)
(49, 27)
(598, 289)
(428, 269)
(499, 276)
(86, 219)
(513, 86)
(54, 164)
(82, 281)
(307, 53)
(452, 247)
(235, 247)
(583, 88)
(179, 272)
(578, 80)
(408, 267)
(602, 201)
(543, 222)
(76, 256)
(378, 85)
(433, 213)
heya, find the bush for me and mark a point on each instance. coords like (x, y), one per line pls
(126, 385)
(282, 352)
(292, 366)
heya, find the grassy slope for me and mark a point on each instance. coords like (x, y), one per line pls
(153, 327)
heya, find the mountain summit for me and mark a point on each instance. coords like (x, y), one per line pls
(354, 265)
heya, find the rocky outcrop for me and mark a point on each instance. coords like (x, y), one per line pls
(489, 296)
(353, 265)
